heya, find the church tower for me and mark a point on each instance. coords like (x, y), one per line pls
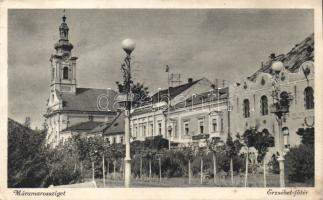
(63, 64)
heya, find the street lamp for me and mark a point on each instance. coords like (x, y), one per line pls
(279, 107)
(128, 45)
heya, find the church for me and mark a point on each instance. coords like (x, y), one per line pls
(69, 105)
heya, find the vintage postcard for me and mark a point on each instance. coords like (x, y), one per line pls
(163, 100)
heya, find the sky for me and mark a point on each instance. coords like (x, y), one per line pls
(214, 43)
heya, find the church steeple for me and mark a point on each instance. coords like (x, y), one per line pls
(63, 45)
(63, 64)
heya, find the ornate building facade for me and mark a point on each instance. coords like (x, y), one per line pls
(251, 100)
(69, 105)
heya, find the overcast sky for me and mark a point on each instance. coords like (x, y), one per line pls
(227, 44)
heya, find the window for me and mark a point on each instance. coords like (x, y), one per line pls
(201, 126)
(309, 98)
(264, 105)
(214, 125)
(113, 140)
(151, 128)
(121, 139)
(222, 125)
(159, 128)
(246, 108)
(65, 73)
(186, 129)
(144, 131)
(135, 131)
(90, 117)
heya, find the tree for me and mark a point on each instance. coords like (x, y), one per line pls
(150, 155)
(26, 156)
(189, 154)
(212, 146)
(200, 151)
(249, 138)
(300, 164)
(300, 159)
(139, 91)
(307, 135)
(264, 140)
(232, 149)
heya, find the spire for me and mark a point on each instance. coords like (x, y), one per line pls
(63, 43)
(64, 17)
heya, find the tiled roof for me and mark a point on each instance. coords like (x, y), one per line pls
(117, 126)
(173, 91)
(86, 99)
(83, 126)
(203, 97)
(301, 52)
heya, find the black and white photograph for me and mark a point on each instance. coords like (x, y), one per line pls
(161, 98)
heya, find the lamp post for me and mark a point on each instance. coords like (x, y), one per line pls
(128, 46)
(279, 108)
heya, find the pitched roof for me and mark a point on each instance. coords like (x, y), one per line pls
(117, 126)
(86, 99)
(101, 127)
(203, 98)
(83, 126)
(173, 91)
(301, 52)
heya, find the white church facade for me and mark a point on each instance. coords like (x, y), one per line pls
(69, 105)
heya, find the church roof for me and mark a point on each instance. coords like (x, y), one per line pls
(83, 126)
(87, 99)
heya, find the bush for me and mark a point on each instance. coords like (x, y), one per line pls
(299, 163)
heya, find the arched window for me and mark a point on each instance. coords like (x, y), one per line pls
(264, 105)
(246, 108)
(65, 73)
(309, 98)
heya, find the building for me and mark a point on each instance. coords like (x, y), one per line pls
(69, 105)
(196, 108)
(251, 99)
(111, 131)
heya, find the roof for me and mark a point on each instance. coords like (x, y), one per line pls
(173, 91)
(203, 98)
(103, 126)
(301, 52)
(83, 126)
(87, 99)
(117, 126)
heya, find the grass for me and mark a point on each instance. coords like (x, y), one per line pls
(254, 180)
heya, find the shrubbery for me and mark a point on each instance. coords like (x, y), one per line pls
(300, 160)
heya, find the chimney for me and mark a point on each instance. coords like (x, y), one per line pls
(190, 80)
(272, 56)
